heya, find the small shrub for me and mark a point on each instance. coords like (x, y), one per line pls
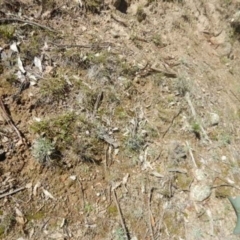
(42, 150)
(135, 143)
(119, 234)
(93, 6)
(141, 15)
(182, 86)
(7, 31)
(53, 88)
(157, 40)
(60, 128)
(196, 129)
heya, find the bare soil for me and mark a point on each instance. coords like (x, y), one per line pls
(119, 119)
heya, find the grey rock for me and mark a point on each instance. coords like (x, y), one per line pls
(214, 119)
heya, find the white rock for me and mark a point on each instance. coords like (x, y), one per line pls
(224, 158)
(73, 177)
(200, 174)
(214, 119)
(200, 192)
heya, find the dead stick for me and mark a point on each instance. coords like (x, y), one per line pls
(9, 120)
(191, 154)
(121, 215)
(121, 21)
(150, 214)
(167, 74)
(13, 192)
(160, 225)
(71, 45)
(98, 102)
(27, 22)
(171, 123)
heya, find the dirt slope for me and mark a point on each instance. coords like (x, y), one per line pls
(119, 120)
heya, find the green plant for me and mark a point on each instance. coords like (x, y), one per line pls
(7, 31)
(7, 224)
(141, 15)
(42, 150)
(53, 88)
(197, 234)
(93, 6)
(88, 207)
(60, 128)
(135, 143)
(182, 86)
(225, 139)
(119, 234)
(196, 128)
(150, 1)
(157, 40)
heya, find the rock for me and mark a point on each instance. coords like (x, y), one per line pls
(224, 49)
(200, 174)
(220, 39)
(200, 192)
(214, 119)
(236, 18)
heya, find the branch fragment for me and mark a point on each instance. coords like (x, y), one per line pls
(2, 20)
(121, 216)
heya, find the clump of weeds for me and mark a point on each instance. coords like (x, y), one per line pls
(72, 131)
(43, 150)
(7, 31)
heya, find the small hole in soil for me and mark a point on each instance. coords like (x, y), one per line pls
(2, 154)
(121, 6)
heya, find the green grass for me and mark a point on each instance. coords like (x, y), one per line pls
(7, 31)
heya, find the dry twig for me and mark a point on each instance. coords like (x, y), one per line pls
(191, 154)
(98, 102)
(117, 19)
(121, 216)
(2, 20)
(150, 214)
(194, 114)
(171, 123)
(9, 120)
(165, 73)
(12, 192)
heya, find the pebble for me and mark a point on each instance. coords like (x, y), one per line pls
(200, 192)
(214, 119)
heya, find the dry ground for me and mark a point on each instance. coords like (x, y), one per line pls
(119, 120)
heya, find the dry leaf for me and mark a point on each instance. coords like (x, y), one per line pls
(48, 194)
(18, 212)
(28, 185)
(37, 185)
(20, 65)
(125, 179)
(156, 174)
(38, 63)
(14, 47)
(20, 220)
(116, 185)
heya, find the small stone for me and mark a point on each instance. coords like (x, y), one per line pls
(200, 192)
(224, 158)
(200, 174)
(5, 139)
(214, 119)
(73, 177)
